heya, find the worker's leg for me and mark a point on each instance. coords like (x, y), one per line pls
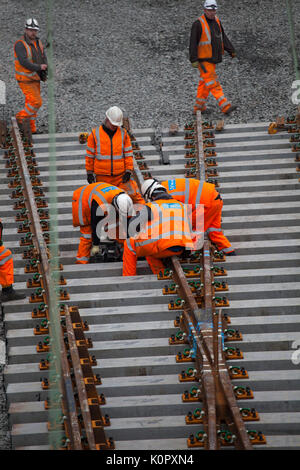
(129, 258)
(155, 262)
(202, 93)
(212, 225)
(113, 180)
(132, 190)
(33, 102)
(7, 277)
(213, 86)
(85, 245)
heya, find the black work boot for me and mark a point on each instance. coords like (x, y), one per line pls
(8, 293)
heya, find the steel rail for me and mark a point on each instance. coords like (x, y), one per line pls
(66, 386)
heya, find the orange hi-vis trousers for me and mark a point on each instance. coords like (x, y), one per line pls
(85, 244)
(131, 187)
(131, 254)
(33, 102)
(209, 83)
(212, 226)
(6, 267)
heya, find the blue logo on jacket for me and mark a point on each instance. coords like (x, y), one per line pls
(172, 184)
(110, 188)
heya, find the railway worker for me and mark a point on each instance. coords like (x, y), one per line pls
(85, 211)
(7, 274)
(207, 44)
(30, 70)
(160, 230)
(109, 156)
(195, 192)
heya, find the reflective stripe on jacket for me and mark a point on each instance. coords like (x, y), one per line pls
(21, 73)
(191, 191)
(82, 199)
(204, 46)
(168, 227)
(108, 156)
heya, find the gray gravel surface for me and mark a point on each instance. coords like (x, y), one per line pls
(134, 53)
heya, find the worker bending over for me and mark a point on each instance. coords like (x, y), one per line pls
(195, 192)
(162, 230)
(7, 273)
(96, 207)
(109, 156)
(30, 70)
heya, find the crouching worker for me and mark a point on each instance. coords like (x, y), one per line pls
(198, 194)
(161, 230)
(7, 274)
(95, 207)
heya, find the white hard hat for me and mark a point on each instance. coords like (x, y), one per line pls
(124, 204)
(149, 186)
(115, 115)
(31, 23)
(210, 5)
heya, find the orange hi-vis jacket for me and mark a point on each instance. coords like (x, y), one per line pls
(168, 227)
(204, 46)
(21, 73)
(6, 267)
(191, 191)
(108, 156)
(102, 193)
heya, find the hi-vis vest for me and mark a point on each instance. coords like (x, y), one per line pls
(109, 157)
(204, 46)
(169, 227)
(82, 199)
(22, 74)
(191, 191)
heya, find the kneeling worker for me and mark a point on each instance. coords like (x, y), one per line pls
(85, 211)
(164, 233)
(195, 192)
(7, 274)
(109, 156)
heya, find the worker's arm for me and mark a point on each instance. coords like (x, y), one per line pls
(195, 36)
(128, 153)
(90, 153)
(22, 58)
(228, 47)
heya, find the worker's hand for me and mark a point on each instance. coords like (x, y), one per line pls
(126, 176)
(44, 66)
(90, 178)
(195, 64)
(233, 55)
(95, 250)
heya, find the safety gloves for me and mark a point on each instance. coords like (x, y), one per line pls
(90, 178)
(126, 176)
(195, 64)
(95, 250)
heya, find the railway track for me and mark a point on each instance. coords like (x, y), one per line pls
(129, 321)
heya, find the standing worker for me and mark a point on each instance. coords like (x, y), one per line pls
(7, 274)
(109, 156)
(195, 192)
(85, 203)
(30, 70)
(164, 233)
(207, 44)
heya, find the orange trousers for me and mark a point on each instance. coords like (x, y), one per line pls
(131, 254)
(85, 245)
(6, 267)
(33, 102)
(131, 187)
(209, 83)
(212, 225)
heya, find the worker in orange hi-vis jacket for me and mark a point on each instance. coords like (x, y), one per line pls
(30, 70)
(109, 155)
(7, 273)
(207, 44)
(196, 192)
(115, 206)
(162, 231)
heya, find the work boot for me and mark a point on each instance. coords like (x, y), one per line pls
(232, 108)
(8, 293)
(231, 253)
